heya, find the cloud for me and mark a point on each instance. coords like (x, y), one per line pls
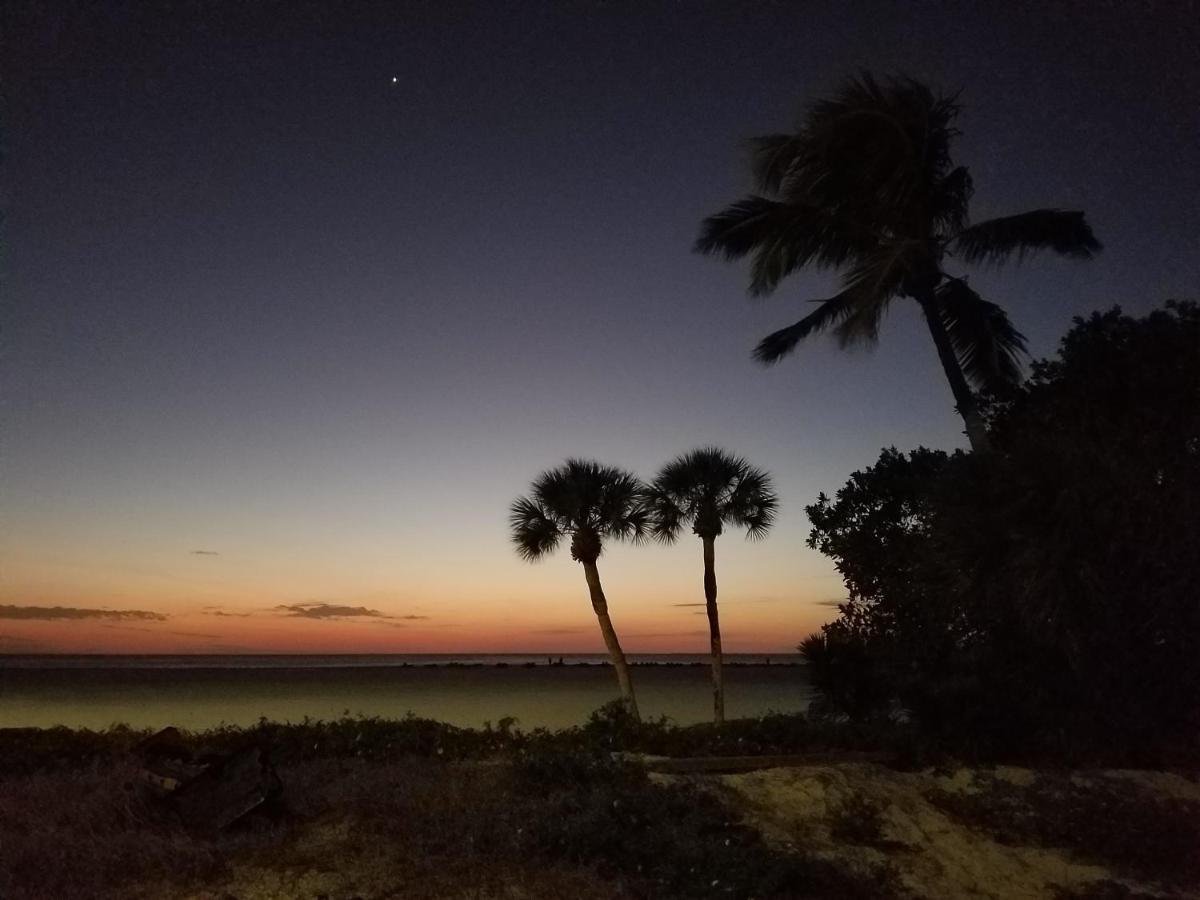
(214, 611)
(71, 612)
(316, 610)
(671, 634)
(16, 642)
(328, 611)
(734, 600)
(228, 648)
(833, 602)
(205, 553)
(196, 634)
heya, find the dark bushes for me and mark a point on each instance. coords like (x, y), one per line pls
(1041, 597)
(1108, 821)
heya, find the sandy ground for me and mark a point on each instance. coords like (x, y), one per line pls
(934, 855)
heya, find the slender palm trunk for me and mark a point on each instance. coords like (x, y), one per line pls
(600, 605)
(964, 399)
(714, 628)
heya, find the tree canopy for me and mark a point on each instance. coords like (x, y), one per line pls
(1047, 588)
(866, 184)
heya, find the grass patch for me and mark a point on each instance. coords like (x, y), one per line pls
(535, 822)
(857, 820)
(671, 840)
(608, 729)
(1104, 890)
(81, 833)
(1108, 820)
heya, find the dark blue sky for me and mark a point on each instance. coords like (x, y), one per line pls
(261, 296)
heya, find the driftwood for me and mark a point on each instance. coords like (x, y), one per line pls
(208, 792)
(725, 765)
(227, 790)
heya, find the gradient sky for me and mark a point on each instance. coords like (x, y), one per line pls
(297, 297)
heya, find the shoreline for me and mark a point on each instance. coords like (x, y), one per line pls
(463, 694)
(368, 667)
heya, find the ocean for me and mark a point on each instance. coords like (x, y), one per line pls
(197, 692)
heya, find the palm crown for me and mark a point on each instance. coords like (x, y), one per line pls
(710, 488)
(584, 500)
(866, 184)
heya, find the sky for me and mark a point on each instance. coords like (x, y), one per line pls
(297, 297)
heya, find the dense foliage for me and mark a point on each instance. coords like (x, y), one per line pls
(1042, 594)
(609, 729)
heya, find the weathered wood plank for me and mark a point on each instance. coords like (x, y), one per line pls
(721, 765)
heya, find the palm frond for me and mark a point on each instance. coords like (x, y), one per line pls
(740, 227)
(952, 199)
(872, 284)
(854, 313)
(778, 344)
(533, 531)
(582, 493)
(1066, 232)
(667, 517)
(988, 347)
(877, 147)
(752, 504)
(772, 156)
(621, 511)
(707, 487)
(783, 237)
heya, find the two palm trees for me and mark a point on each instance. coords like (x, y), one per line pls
(588, 503)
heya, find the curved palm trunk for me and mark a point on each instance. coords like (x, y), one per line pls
(714, 628)
(600, 605)
(964, 399)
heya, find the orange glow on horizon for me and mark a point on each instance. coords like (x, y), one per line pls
(357, 598)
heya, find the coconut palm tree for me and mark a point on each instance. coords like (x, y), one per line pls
(709, 489)
(588, 503)
(866, 185)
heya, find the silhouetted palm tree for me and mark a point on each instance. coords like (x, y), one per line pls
(587, 502)
(866, 185)
(709, 489)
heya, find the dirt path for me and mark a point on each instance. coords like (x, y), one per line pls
(869, 816)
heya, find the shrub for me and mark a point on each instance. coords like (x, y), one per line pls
(1040, 596)
(1109, 821)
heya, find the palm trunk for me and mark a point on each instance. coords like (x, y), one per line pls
(600, 605)
(714, 628)
(964, 398)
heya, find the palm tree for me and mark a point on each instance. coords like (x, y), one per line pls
(589, 503)
(709, 489)
(866, 185)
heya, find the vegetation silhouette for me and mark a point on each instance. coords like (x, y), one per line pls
(1041, 596)
(589, 503)
(709, 489)
(866, 184)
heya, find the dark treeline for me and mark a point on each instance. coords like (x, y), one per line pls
(1041, 595)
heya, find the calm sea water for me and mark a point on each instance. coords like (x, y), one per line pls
(203, 691)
